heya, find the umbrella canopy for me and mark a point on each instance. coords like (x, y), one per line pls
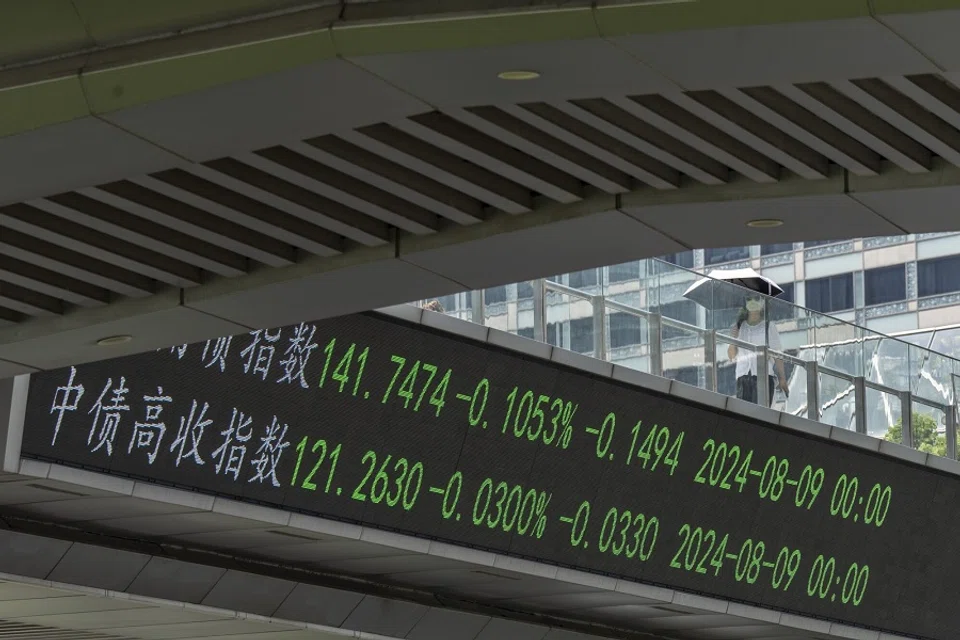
(729, 288)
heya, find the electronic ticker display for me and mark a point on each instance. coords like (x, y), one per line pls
(375, 421)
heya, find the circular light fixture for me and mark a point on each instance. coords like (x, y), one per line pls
(518, 75)
(110, 341)
(765, 223)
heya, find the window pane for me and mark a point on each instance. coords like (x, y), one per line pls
(783, 247)
(841, 293)
(581, 335)
(624, 272)
(494, 295)
(727, 378)
(579, 279)
(682, 310)
(525, 332)
(687, 375)
(921, 340)
(524, 290)
(683, 259)
(449, 303)
(729, 254)
(938, 276)
(783, 311)
(555, 332)
(883, 285)
(819, 243)
(947, 342)
(815, 291)
(625, 330)
(831, 294)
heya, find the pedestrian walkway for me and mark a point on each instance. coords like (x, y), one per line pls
(836, 372)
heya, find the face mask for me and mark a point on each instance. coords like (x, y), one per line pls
(754, 305)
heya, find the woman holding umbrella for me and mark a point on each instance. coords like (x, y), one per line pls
(744, 289)
(752, 327)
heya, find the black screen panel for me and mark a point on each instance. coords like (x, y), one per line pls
(378, 422)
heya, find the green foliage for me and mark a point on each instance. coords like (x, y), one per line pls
(925, 436)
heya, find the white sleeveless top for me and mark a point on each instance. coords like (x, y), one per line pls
(756, 334)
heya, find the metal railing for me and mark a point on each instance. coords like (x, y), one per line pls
(830, 379)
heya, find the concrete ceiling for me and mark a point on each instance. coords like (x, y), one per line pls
(350, 162)
(233, 568)
(41, 610)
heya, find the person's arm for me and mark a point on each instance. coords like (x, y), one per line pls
(781, 373)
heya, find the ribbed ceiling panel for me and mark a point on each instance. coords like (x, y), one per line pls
(439, 170)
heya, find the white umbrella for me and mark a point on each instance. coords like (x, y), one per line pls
(729, 288)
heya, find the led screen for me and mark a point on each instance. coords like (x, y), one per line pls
(374, 421)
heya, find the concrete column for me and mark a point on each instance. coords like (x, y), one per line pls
(13, 406)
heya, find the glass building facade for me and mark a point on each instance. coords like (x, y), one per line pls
(893, 285)
(904, 286)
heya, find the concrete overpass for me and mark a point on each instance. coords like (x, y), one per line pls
(93, 554)
(178, 171)
(188, 170)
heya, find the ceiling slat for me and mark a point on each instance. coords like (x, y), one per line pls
(389, 208)
(803, 125)
(195, 222)
(933, 92)
(855, 104)
(859, 123)
(907, 115)
(443, 131)
(52, 283)
(252, 213)
(19, 630)
(76, 265)
(434, 171)
(682, 125)
(24, 300)
(63, 227)
(652, 141)
(324, 209)
(349, 236)
(597, 143)
(10, 316)
(532, 140)
(390, 175)
(439, 164)
(762, 136)
(106, 213)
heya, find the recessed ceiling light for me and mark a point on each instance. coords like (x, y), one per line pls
(765, 223)
(518, 75)
(109, 341)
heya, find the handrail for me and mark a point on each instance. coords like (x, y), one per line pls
(811, 403)
(727, 339)
(872, 334)
(564, 289)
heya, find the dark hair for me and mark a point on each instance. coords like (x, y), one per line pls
(742, 316)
